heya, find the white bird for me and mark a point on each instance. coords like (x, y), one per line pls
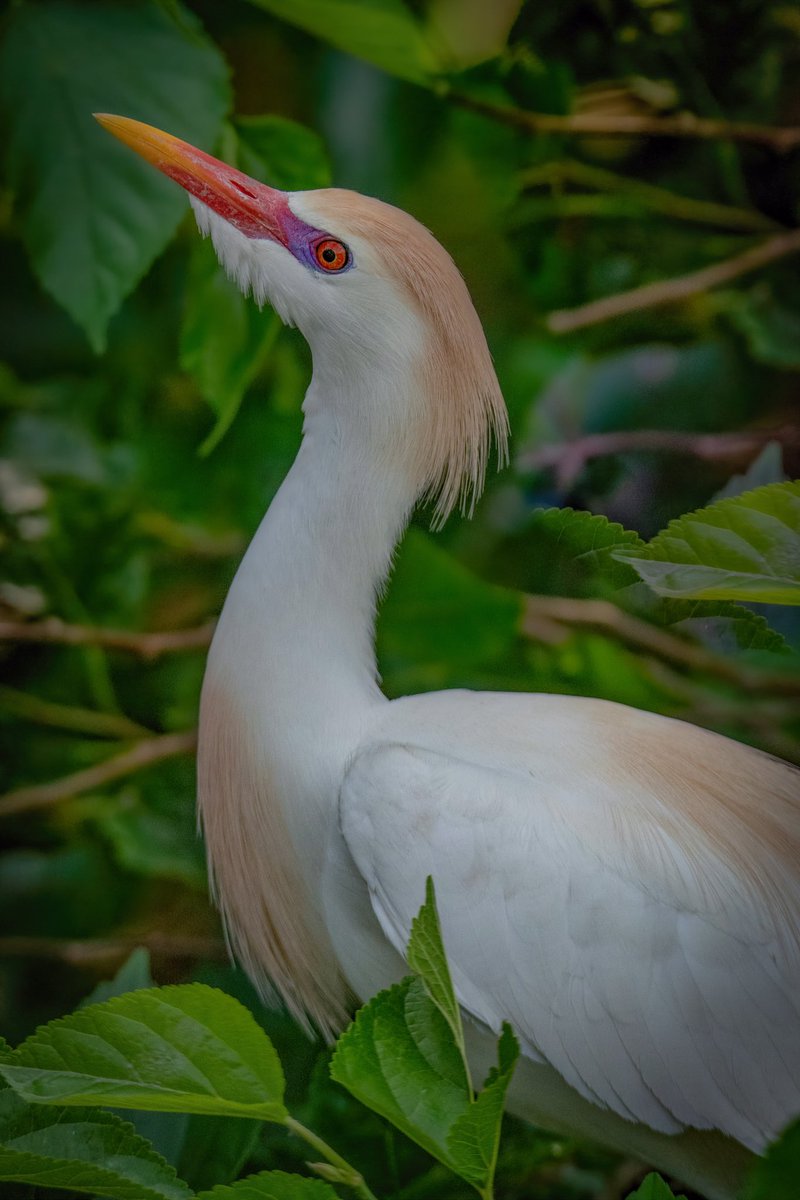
(622, 887)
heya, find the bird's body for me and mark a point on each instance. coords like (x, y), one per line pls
(623, 888)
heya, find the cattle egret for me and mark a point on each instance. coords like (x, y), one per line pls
(622, 887)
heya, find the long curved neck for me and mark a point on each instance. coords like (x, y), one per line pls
(299, 620)
(290, 686)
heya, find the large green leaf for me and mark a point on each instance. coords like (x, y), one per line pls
(272, 1185)
(471, 31)
(225, 337)
(743, 548)
(166, 1132)
(93, 215)
(213, 1149)
(81, 1150)
(280, 152)
(404, 1057)
(175, 1049)
(566, 552)
(384, 32)
(440, 619)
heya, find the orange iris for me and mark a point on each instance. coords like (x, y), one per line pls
(331, 255)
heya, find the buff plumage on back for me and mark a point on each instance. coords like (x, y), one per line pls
(465, 411)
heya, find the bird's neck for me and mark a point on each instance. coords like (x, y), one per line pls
(299, 620)
(290, 688)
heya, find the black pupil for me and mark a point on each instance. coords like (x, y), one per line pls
(329, 255)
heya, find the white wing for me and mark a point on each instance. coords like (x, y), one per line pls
(623, 888)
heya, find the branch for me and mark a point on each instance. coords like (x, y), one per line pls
(716, 712)
(143, 754)
(149, 646)
(544, 618)
(670, 291)
(101, 950)
(781, 139)
(556, 174)
(569, 458)
(69, 717)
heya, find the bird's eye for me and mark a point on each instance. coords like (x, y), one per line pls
(331, 255)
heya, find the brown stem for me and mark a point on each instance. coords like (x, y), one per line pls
(99, 950)
(682, 125)
(144, 754)
(54, 631)
(564, 172)
(544, 615)
(716, 712)
(69, 717)
(670, 291)
(569, 458)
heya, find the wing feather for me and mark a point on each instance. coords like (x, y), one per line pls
(621, 887)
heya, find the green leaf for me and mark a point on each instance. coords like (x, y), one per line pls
(743, 548)
(133, 975)
(81, 1150)
(398, 1057)
(585, 542)
(214, 1149)
(437, 613)
(94, 216)
(272, 1185)
(428, 961)
(474, 1140)
(404, 1057)
(565, 552)
(772, 332)
(383, 32)
(654, 1188)
(225, 337)
(175, 1049)
(732, 631)
(282, 153)
(766, 467)
(152, 832)
(775, 1176)
(471, 31)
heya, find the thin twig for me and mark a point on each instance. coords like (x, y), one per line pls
(781, 139)
(69, 716)
(569, 458)
(99, 950)
(144, 754)
(717, 712)
(343, 1173)
(149, 646)
(545, 617)
(670, 291)
(556, 174)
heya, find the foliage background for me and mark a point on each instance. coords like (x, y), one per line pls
(125, 353)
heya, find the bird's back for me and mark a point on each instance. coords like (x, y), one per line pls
(622, 887)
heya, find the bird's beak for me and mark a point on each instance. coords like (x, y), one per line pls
(251, 207)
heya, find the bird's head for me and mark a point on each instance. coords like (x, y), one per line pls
(395, 338)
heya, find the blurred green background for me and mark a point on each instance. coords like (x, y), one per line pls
(148, 414)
